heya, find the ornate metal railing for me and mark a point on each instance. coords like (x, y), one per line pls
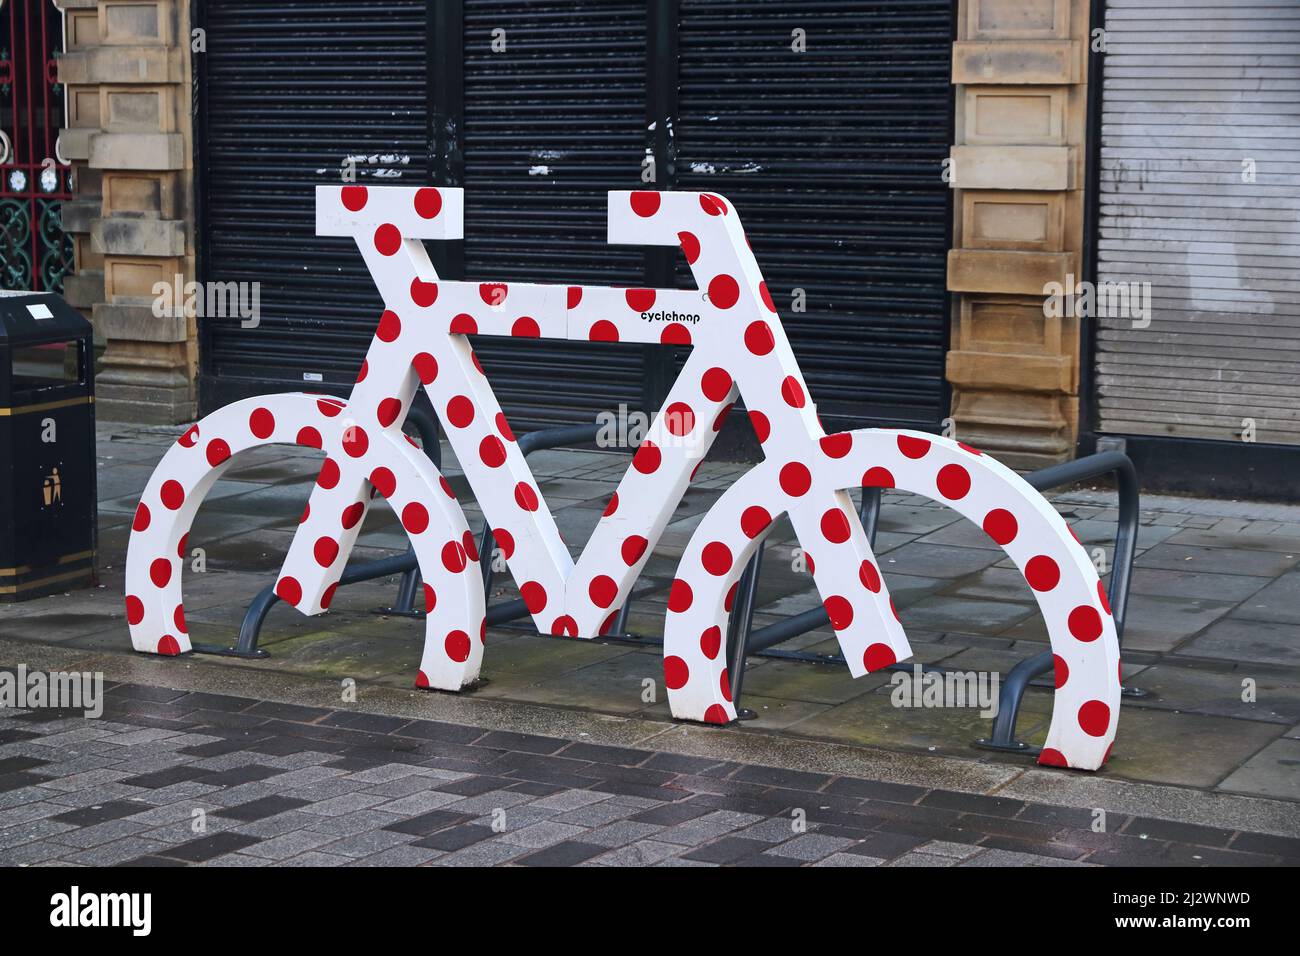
(35, 253)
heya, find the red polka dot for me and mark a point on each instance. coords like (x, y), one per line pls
(180, 548)
(724, 685)
(1001, 526)
(390, 327)
(612, 506)
(766, 297)
(711, 642)
(679, 419)
(430, 598)
(762, 427)
(261, 423)
(469, 545)
(838, 445)
(172, 495)
(426, 366)
(967, 448)
(1085, 623)
(142, 518)
(217, 451)
(453, 557)
(877, 478)
(716, 384)
(723, 291)
(690, 246)
(730, 599)
(526, 497)
(603, 331)
(878, 656)
(754, 521)
(388, 411)
(645, 202)
(189, 438)
(352, 514)
(428, 202)
(1060, 670)
(675, 333)
(534, 596)
(759, 338)
(602, 590)
(1042, 573)
(457, 646)
(168, 646)
(526, 327)
(384, 482)
(505, 541)
(1103, 597)
(387, 239)
(647, 458)
(796, 479)
(503, 427)
(446, 487)
(326, 550)
(422, 680)
(840, 611)
(835, 526)
(288, 590)
(1051, 757)
(574, 296)
(308, 437)
(633, 548)
(460, 411)
(713, 205)
(493, 293)
(492, 451)
(680, 596)
(134, 610)
(355, 441)
(716, 714)
(1094, 718)
(640, 300)
(329, 407)
(365, 370)
(716, 558)
(869, 576)
(564, 626)
(676, 673)
(354, 197)
(415, 518)
(953, 482)
(423, 294)
(792, 392)
(912, 447)
(160, 572)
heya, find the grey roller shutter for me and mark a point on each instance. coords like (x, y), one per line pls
(1198, 97)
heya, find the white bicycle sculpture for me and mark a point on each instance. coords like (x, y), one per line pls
(738, 348)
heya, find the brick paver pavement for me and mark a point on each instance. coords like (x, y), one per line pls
(177, 778)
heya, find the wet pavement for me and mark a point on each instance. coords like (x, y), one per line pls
(1213, 627)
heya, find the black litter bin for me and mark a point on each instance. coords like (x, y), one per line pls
(48, 512)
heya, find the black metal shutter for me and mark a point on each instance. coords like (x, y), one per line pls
(551, 123)
(291, 88)
(833, 157)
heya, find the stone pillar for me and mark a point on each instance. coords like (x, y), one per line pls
(127, 70)
(1018, 67)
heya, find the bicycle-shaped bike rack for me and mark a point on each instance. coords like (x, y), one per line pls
(738, 349)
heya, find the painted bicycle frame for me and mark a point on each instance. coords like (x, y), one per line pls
(738, 348)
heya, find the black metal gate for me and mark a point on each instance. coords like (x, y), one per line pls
(833, 153)
(34, 251)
